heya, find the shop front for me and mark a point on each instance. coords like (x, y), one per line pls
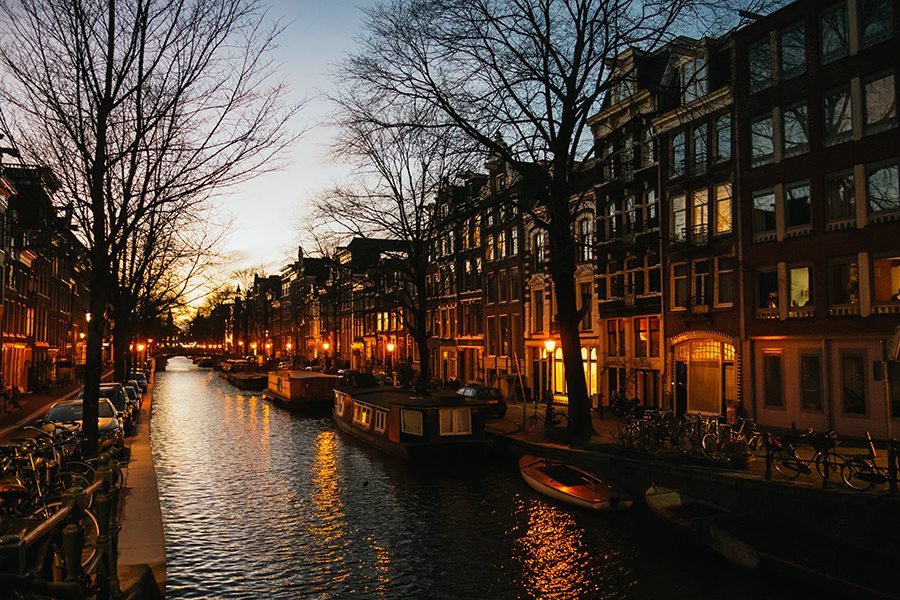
(705, 372)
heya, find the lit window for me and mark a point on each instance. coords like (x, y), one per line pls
(699, 215)
(797, 205)
(723, 208)
(455, 421)
(764, 212)
(796, 130)
(838, 115)
(701, 291)
(840, 197)
(875, 21)
(883, 189)
(886, 280)
(362, 415)
(793, 52)
(760, 56)
(881, 104)
(762, 141)
(834, 35)
(801, 292)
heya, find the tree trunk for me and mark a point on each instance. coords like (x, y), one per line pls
(94, 356)
(421, 335)
(121, 342)
(562, 269)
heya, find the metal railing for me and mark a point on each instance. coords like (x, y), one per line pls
(100, 575)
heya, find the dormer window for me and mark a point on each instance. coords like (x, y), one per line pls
(693, 79)
(624, 86)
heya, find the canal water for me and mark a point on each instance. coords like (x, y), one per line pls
(261, 502)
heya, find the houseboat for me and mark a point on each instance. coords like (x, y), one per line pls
(446, 426)
(301, 387)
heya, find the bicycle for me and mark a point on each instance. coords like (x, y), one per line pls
(550, 420)
(863, 473)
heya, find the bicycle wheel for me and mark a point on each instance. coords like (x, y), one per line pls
(835, 461)
(91, 530)
(709, 445)
(530, 423)
(857, 474)
(560, 421)
(788, 465)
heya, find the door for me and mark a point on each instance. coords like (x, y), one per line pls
(681, 387)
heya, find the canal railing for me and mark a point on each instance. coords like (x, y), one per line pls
(23, 556)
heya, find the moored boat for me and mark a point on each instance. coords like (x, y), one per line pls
(301, 387)
(572, 485)
(446, 426)
(702, 519)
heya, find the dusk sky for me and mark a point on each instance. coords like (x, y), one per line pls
(269, 211)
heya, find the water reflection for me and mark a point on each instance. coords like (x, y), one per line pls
(262, 503)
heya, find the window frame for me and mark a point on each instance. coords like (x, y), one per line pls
(859, 355)
(758, 160)
(839, 52)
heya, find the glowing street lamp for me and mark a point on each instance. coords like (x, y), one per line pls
(550, 347)
(326, 346)
(390, 348)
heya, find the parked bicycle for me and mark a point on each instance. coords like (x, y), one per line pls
(862, 472)
(551, 419)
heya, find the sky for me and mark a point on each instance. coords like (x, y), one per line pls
(268, 211)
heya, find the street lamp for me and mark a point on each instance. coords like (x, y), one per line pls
(550, 347)
(390, 349)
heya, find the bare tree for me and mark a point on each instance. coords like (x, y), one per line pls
(400, 173)
(534, 71)
(137, 104)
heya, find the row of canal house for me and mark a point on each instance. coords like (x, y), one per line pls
(43, 284)
(738, 237)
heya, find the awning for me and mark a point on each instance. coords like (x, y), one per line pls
(893, 346)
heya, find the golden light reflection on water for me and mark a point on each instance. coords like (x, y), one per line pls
(326, 499)
(552, 552)
(382, 567)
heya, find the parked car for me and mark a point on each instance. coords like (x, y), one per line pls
(141, 378)
(137, 387)
(69, 412)
(134, 399)
(491, 395)
(115, 393)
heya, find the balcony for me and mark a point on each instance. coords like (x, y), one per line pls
(848, 310)
(767, 313)
(886, 309)
(801, 312)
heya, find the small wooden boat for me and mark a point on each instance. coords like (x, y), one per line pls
(301, 387)
(704, 520)
(571, 484)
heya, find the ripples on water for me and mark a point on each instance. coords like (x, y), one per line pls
(259, 502)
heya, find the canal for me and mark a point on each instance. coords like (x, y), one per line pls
(260, 502)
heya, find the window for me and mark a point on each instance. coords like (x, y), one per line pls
(503, 285)
(615, 337)
(649, 209)
(801, 291)
(339, 404)
(760, 56)
(844, 283)
(767, 289)
(648, 150)
(701, 145)
(679, 218)
(455, 421)
(678, 155)
(723, 208)
(539, 250)
(362, 415)
(380, 421)
(411, 421)
(793, 52)
(772, 376)
(693, 79)
(503, 335)
(886, 280)
(699, 215)
(834, 35)
(646, 336)
(586, 320)
(723, 138)
(512, 242)
(875, 21)
(838, 115)
(680, 286)
(853, 376)
(796, 130)
(797, 205)
(724, 281)
(880, 104)
(701, 295)
(613, 220)
(763, 212)
(883, 189)
(840, 197)
(586, 239)
(537, 311)
(632, 216)
(653, 274)
(762, 141)
(811, 382)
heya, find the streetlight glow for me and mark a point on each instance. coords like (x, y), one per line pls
(550, 346)
(390, 346)
(325, 346)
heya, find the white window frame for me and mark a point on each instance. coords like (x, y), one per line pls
(380, 420)
(455, 428)
(417, 419)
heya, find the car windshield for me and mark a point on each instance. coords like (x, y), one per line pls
(131, 393)
(75, 412)
(117, 397)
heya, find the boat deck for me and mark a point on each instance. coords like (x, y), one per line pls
(385, 397)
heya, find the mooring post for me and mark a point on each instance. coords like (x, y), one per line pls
(892, 465)
(113, 478)
(73, 535)
(102, 510)
(767, 442)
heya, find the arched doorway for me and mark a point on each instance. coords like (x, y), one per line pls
(705, 375)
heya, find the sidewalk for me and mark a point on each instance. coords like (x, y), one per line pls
(141, 541)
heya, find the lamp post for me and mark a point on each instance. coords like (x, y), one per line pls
(325, 347)
(550, 347)
(390, 348)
